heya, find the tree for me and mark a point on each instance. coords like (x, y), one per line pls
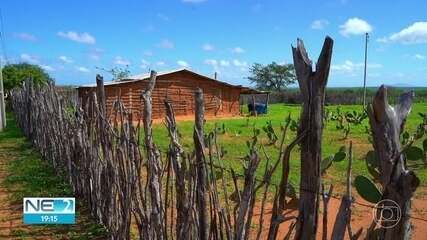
(273, 76)
(15, 74)
(118, 73)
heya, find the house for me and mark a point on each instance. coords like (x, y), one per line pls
(178, 86)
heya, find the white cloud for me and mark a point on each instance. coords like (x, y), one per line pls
(35, 60)
(227, 66)
(350, 67)
(347, 66)
(166, 43)
(214, 64)
(211, 62)
(238, 63)
(319, 24)
(419, 56)
(121, 61)
(415, 33)
(144, 64)
(224, 63)
(95, 54)
(65, 59)
(48, 68)
(208, 47)
(193, 1)
(355, 26)
(182, 63)
(382, 40)
(29, 58)
(25, 36)
(242, 65)
(160, 63)
(237, 50)
(78, 37)
(82, 69)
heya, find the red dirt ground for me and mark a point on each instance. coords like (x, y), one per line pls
(361, 217)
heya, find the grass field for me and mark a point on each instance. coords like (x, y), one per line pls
(239, 130)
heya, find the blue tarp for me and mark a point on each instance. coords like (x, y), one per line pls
(260, 108)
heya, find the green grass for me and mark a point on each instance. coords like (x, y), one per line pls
(31, 176)
(238, 132)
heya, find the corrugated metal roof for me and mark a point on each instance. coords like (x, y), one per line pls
(133, 78)
(144, 76)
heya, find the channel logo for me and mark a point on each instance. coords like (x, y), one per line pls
(387, 213)
(49, 210)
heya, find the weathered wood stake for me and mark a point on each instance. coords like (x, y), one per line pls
(312, 86)
(199, 144)
(399, 183)
(153, 163)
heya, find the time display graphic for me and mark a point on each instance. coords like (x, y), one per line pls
(49, 210)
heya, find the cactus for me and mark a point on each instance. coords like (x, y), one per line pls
(372, 164)
(355, 117)
(371, 159)
(254, 140)
(221, 129)
(414, 153)
(339, 156)
(327, 116)
(271, 134)
(294, 126)
(326, 163)
(367, 189)
(344, 120)
(405, 138)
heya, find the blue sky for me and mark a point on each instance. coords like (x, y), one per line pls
(71, 39)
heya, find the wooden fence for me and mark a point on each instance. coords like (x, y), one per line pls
(123, 177)
(130, 185)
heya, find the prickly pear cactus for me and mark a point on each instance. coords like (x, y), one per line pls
(367, 189)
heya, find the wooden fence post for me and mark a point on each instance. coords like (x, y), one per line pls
(312, 86)
(100, 92)
(29, 86)
(399, 183)
(176, 155)
(153, 164)
(199, 144)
